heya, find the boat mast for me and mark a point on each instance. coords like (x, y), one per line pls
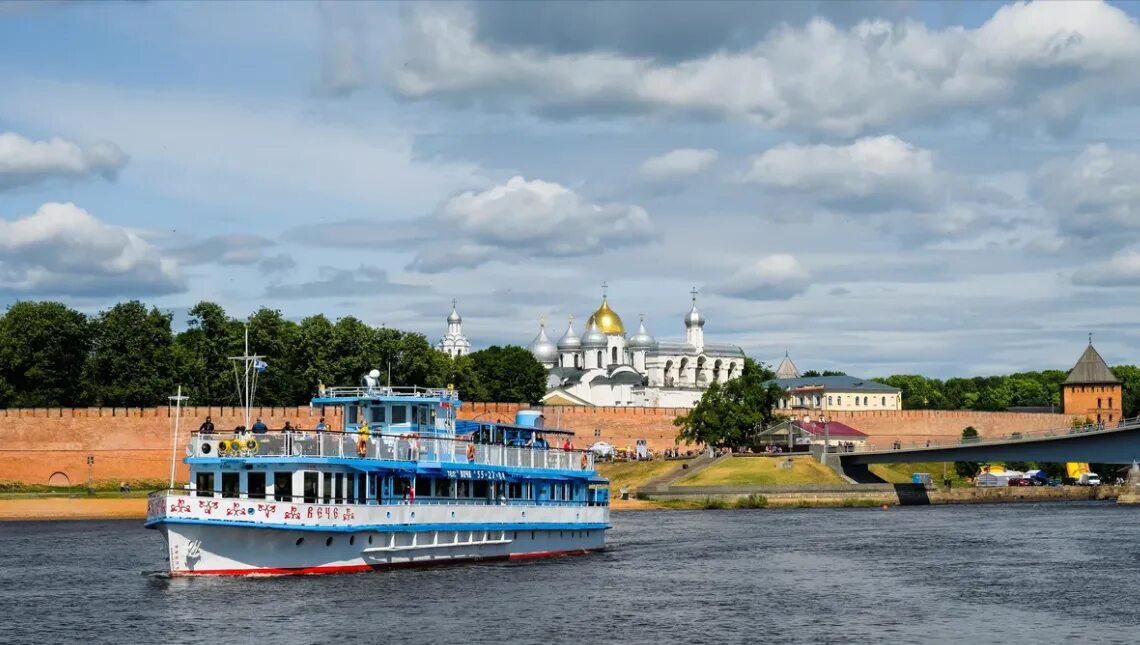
(246, 378)
(178, 399)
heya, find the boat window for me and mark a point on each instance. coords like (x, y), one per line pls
(423, 487)
(338, 488)
(480, 489)
(205, 484)
(326, 494)
(350, 415)
(514, 490)
(462, 488)
(376, 414)
(351, 485)
(283, 487)
(423, 415)
(443, 487)
(399, 414)
(362, 489)
(311, 480)
(231, 484)
(255, 485)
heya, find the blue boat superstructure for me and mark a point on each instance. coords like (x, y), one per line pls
(400, 482)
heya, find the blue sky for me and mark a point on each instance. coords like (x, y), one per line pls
(880, 187)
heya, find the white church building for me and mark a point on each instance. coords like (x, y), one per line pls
(454, 343)
(604, 367)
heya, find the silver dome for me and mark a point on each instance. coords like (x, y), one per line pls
(642, 339)
(570, 341)
(594, 338)
(694, 318)
(453, 318)
(542, 348)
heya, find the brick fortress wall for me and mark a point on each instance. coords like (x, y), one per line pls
(38, 445)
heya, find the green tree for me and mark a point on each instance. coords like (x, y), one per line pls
(509, 374)
(966, 469)
(461, 374)
(275, 338)
(131, 360)
(918, 392)
(732, 413)
(313, 357)
(202, 351)
(1129, 376)
(355, 351)
(43, 347)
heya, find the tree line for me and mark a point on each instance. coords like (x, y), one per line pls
(997, 393)
(128, 356)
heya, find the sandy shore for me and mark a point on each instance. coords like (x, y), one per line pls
(72, 508)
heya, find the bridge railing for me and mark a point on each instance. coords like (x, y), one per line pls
(838, 446)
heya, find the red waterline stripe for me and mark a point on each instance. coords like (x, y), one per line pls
(357, 568)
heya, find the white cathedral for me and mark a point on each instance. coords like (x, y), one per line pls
(454, 343)
(603, 367)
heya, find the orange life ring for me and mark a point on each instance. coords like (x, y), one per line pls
(470, 452)
(361, 446)
(584, 461)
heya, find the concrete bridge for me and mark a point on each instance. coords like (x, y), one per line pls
(1115, 445)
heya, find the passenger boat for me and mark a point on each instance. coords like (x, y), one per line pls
(400, 482)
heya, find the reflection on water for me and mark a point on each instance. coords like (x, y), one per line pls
(1054, 572)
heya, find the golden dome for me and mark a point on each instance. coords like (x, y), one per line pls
(607, 319)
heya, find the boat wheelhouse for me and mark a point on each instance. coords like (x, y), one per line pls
(398, 481)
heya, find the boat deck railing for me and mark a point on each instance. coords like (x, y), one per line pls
(371, 500)
(448, 451)
(388, 391)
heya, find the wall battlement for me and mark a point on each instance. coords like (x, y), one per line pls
(38, 445)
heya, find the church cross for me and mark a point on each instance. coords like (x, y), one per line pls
(605, 286)
(694, 293)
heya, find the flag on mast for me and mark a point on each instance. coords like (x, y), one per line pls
(260, 365)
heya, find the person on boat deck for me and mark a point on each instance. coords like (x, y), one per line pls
(207, 425)
(322, 426)
(259, 427)
(288, 427)
(566, 445)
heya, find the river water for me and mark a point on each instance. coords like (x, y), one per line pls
(1057, 572)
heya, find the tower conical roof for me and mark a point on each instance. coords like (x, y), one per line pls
(1090, 368)
(787, 369)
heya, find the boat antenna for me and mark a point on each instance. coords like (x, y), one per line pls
(246, 378)
(389, 375)
(178, 399)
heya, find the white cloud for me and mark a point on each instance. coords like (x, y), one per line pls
(1095, 194)
(531, 218)
(1122, 269)
(62, 249)
(229, 249)
(872, 168)
(243, 145)
(677, 163)
(1045, 59)
(775, 277)
(25, 162)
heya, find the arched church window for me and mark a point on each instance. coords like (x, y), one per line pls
(599, 358)
(864, 400)
(613, 354)
(575, 361)
(884, 401)
(829, 400)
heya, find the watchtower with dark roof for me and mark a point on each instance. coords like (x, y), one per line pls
(1092, 389)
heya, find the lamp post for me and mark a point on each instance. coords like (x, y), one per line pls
(826, 439)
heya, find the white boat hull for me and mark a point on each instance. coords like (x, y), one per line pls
(308, 539)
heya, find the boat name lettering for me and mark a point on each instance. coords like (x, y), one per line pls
(474, 474)
(323, 512)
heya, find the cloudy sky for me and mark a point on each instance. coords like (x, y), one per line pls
(881, 187)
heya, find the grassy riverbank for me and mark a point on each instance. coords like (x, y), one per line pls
(762, 471)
